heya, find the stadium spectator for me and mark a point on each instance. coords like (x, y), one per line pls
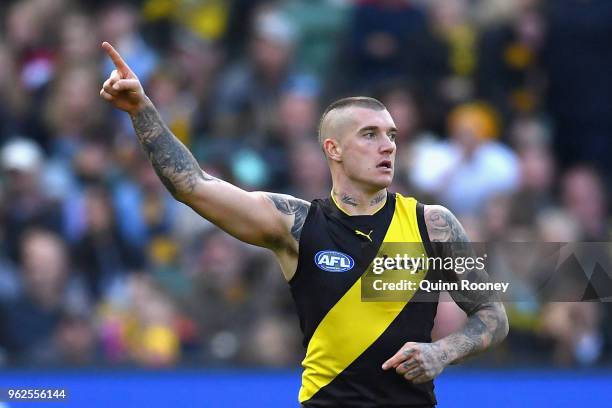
(374, 46)
(470, 168)
(249, 92)
(584, 197)
(510, 72)
(25, 202)
(100, 253)
(29, 322)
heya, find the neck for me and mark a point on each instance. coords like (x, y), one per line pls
(354, 202)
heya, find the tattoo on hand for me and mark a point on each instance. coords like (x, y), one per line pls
(291, 206)
(429, 361)
(172, 161)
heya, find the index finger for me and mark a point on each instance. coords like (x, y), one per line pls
(401, 355)
(122, 67)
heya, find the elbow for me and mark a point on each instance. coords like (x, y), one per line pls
(179, 196)
(174, 192)
(496, 320)
(189, 189)
(182, 192)
(172, 188)
(187, 198)
(505, 329)
(182, 187)
(504, 326)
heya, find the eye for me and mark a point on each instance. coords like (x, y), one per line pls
(370, 135)
(392, 136)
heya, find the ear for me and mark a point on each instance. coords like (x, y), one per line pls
(332, 149)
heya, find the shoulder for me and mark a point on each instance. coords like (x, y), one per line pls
(442, 225)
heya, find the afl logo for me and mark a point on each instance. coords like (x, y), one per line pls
(334, 261)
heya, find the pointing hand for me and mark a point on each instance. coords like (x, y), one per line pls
(122, 88)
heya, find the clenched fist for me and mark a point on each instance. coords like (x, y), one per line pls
(122, 88)
(418, 362)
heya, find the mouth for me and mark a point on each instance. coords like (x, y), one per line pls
(385, 165)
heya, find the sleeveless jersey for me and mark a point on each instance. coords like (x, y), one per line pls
(347, 339)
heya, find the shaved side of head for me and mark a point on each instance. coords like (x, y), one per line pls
(337, 116)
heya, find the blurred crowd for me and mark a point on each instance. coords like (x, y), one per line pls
(504, 115)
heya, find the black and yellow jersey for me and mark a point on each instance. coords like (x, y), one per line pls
(348, 339)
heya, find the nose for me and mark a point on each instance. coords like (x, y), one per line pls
(387, 145)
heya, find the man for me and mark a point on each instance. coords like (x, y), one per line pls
(350, 343)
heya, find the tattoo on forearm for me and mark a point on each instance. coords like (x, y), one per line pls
(486, 327)
(291, 206)
(172, 161)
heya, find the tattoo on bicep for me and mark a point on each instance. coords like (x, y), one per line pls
(451, 241)
(443, 226)
(447, 232)
(291, 206)
(172, 161)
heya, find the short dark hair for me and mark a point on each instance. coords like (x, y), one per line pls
(358, 101)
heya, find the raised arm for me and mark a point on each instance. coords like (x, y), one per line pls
(487, 323)
(265, 219)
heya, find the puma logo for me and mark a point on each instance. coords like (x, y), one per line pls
(364, 234)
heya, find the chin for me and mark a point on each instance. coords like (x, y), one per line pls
(382, 182)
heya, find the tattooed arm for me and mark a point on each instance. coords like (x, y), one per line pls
(487, 323)
(270, 220)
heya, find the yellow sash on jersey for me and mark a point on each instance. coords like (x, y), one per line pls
(352, 325)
